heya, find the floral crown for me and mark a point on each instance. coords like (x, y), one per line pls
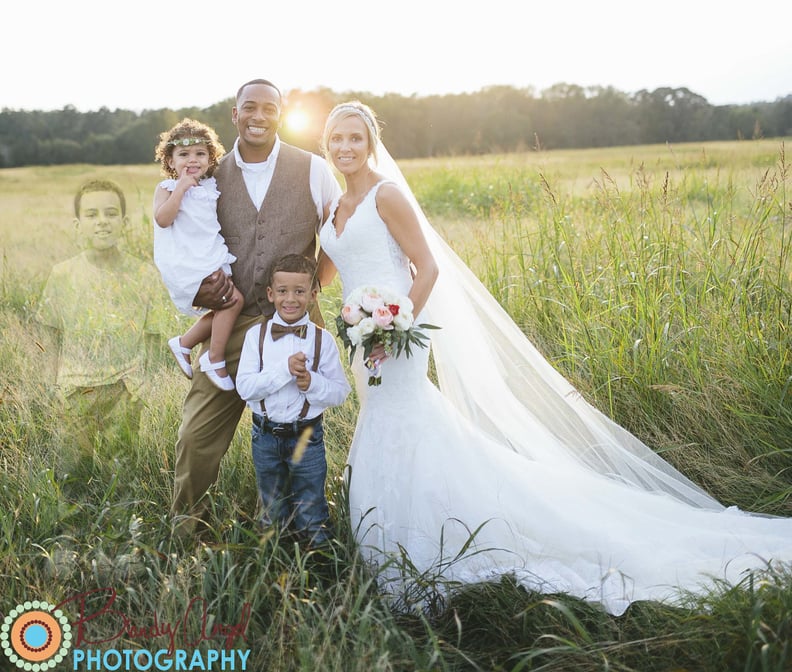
(186, 142)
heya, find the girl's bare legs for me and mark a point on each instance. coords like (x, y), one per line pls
(198, 332)
(181, 346)
(222, 324)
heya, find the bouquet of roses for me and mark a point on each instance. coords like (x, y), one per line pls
(373, 315)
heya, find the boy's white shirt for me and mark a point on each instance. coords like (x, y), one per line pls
(274, 385)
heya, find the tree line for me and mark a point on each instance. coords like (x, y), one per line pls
(493, 120)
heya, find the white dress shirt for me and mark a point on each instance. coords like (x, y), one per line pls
(324, 186)
(273, 385)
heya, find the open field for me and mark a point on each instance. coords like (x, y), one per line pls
(657, 279)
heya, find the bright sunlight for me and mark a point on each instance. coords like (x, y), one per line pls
(297, 121)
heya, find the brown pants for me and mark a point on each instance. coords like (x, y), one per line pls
(209, 420)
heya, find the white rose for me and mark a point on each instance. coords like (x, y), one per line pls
(371, 300)
(354, 296)
(405, 304)
(366, 327)
(389, 296)
(403, 321)
(354, 335)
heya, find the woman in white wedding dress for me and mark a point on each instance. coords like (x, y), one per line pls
(504, 470)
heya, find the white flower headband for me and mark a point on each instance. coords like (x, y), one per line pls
(186, 142)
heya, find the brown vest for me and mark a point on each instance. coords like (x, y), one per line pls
(286, 224)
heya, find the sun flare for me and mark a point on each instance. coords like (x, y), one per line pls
(297, 121)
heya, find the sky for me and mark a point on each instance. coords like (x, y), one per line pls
(151, 54)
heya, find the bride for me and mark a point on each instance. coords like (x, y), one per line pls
(505, 469)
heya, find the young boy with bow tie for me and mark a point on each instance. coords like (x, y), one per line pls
(289, 373)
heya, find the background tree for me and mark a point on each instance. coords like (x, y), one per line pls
(497, 119)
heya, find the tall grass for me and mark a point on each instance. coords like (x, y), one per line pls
(656, 279)
(667, 302)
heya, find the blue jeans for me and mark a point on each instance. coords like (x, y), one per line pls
(292, 492)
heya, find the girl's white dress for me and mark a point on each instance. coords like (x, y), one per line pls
(424, 478)
(192, 247)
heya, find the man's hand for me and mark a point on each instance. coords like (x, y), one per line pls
(216, 292)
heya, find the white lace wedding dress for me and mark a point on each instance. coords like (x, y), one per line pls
(425, 474)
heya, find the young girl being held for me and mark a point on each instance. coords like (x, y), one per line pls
(188, 245)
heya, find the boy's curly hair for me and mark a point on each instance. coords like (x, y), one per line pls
(188, 129)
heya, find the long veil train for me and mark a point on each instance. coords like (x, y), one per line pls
(507, 470)
(494, 376)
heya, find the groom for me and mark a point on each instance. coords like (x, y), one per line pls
(273, 199)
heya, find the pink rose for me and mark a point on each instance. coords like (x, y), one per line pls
(371, 300)
(352, 314)
(382, 317)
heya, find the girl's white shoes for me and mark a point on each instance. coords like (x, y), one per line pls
(179, 353)
(209, 368)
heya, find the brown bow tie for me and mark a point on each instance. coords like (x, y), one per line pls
(278, 330)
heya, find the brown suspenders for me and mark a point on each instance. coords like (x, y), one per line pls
(317, 353)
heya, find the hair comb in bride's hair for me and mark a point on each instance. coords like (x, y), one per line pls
(362, 111)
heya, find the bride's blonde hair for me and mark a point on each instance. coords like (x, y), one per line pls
(353, 108)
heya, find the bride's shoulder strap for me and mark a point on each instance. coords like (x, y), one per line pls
(386, 181)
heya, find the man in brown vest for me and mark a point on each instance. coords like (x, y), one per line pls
(273, 199)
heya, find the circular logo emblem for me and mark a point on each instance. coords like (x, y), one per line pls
(35, 636)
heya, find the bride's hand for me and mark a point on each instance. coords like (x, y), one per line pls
(378, 354)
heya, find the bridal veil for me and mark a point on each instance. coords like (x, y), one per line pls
(494, 376)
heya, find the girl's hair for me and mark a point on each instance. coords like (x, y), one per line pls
(353, 108)
(188, 132)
